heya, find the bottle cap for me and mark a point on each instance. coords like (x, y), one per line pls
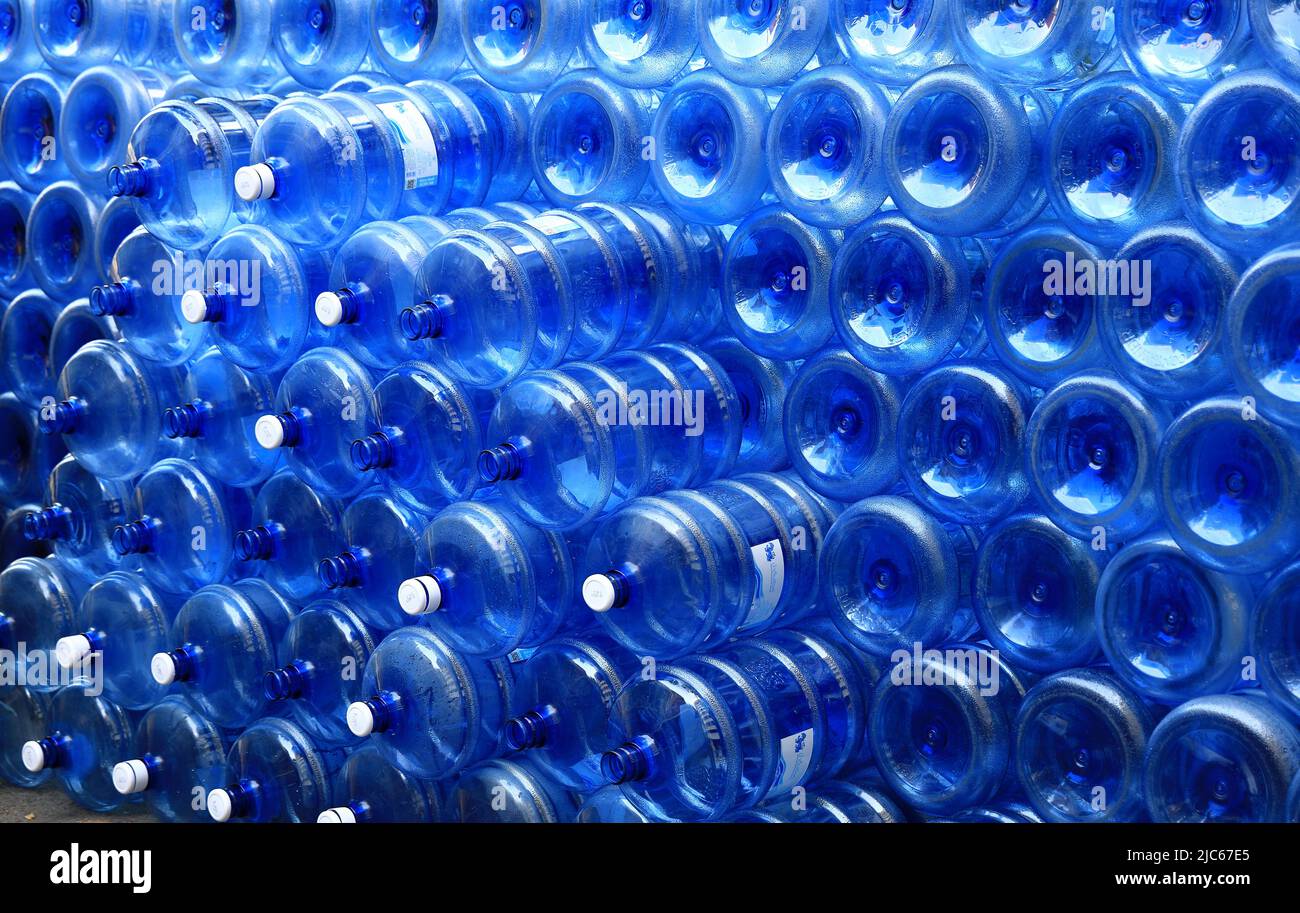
(329, 309)
(361, 721)
(219, 805)
(194, 306)
(131, 777)
(598, 593)
(340, 815)
(72, 650)
(163, 668)
(419, 595)
(255, 182)
(33, 757)
(269, 432)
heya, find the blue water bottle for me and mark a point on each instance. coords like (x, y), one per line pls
(1275, 28)
(1168, 335)
(181, 164)
(761, 388)
(763, 43)
(320, 43)
(489, 583)
(293, 525)
(1260, 316)
(116, 220)
(1238, 162)
(1229, 486)
(1111, 157)
(370, 790)
(776, 283)
(102, 107)
(277, 773)
(1274, 638)
(565, 691)
(40, 599)
(1030, 45)
(508, 116)
(418, 40)
(19, 52)
(227, 44)
(14, 543)
(641, 44)
(79, 517)
(510, 792)
(521, 45)
(15, 207)
(1092, 445)
(431, 711)
(79, 34)
(1187, 48)
(77, 325)
(24, 717)
(29, 130)
(942, 724)
(1035, 590)
(182, 527)
(27, 457)
(1171, 629)
(1081, 737)
(709, 137)
(1223, 758)
(124, 622)
(224, 640)
(60, 240)
(685, 571)
(319, 663)
(824, 153)
(149, 39)
(88, 733)
(25, 329)
(961, 442)
(896, 43)
(180, 757)
(110, 410)
(963, 154)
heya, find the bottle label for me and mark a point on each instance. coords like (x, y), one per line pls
(769, 580)
(796, 758)
(551, 224)
(521, 655)
(419, 151)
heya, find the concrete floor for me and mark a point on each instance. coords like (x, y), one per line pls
(51, 804)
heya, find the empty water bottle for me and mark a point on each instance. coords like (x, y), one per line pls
(795, 707)
(79, 517)
(180, 757)
(1239, 162)
(15, 206)
(417, 39)
(761, 388)
(293, 525)
(224, 640)
(961, 440)
(26, 456)
(217, 415)
(824, 151)
(1186, 47)
(1081, 737)
(381, 547)
(19, 52)
(686, 571)
(1170, 628)
(320, 42)
(75, 34)
(1229, 486)
(102, 107)
(942, 724)
(893, 43)
(508, 116)
(76, 326)
(60, 240)
(1111, 158)
(1263, 334)
(608, 805)
(589, 140)
(963, 154)
(708, 137)
(828, 802)
(370, 790)
(510, 792)
(1225, 758)
(431, 711)
(320, 659)
(776, 281)
(149, 39)
(87, 735)
(1275, 27)
(642, 44)
(182, 527)
(123, 622)
(40, 599)
(29, 130)
(24, 717)
(1092, 445)
(1036, 45)
(277, 773)
(25, 329)
(489, 582)
(181, 163)
(324, 403)
(227, 44)
(14, 543)
(360, 81)
(522, 44)
(116, 220)
(1168, 337)
(764, 42)
(1276, 636)
(1034, 593)
(892, 576)
(110, 409)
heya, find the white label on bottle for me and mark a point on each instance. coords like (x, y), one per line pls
(419, 151)
(796, 757)
(551, 224)
(769, 579)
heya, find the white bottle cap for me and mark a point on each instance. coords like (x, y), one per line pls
(163, 668)
(598, 593)
(130, 777)
(255, 182)
(33, 757)
(269, 432)
(329, 309)
(419, 595)
(219, 805)
(72, 650)
(194, 306)
(361, 721)
(340, 815)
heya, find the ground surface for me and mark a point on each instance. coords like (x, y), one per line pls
(51, 804)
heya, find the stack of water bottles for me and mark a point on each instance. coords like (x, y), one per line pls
(797, 411)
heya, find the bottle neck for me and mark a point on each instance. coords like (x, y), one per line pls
(113, 299)
(186, 420)
(531, 729)
(502, 463)
(426, 320)
(258, 543)
(62, 418)
(344, 569)
(289, 682)
(135, 537)
(53, 523)
(374, 451)
(133, 180)
(630, 762)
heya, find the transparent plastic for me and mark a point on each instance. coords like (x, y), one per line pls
(761, 388)
(182, 752)
(320, 41)
(75, 34)
(26, 326)
(227, 44)
(523, 44)
(60, 240)
(102, 107)
(40, 598)
(370, 790)
(29, 130)
(417, 39)
(123, 622)
(116, 220)
(642, 44)
(15, 207)
(26, 456)
(80, 513)
(277, 773)
(88, 734)
(1263, 329)
(763, 42)
(1186, 47)
(510, 792)
(293, 525)
(893, 43)
(1274, 637)
(1046, 43)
